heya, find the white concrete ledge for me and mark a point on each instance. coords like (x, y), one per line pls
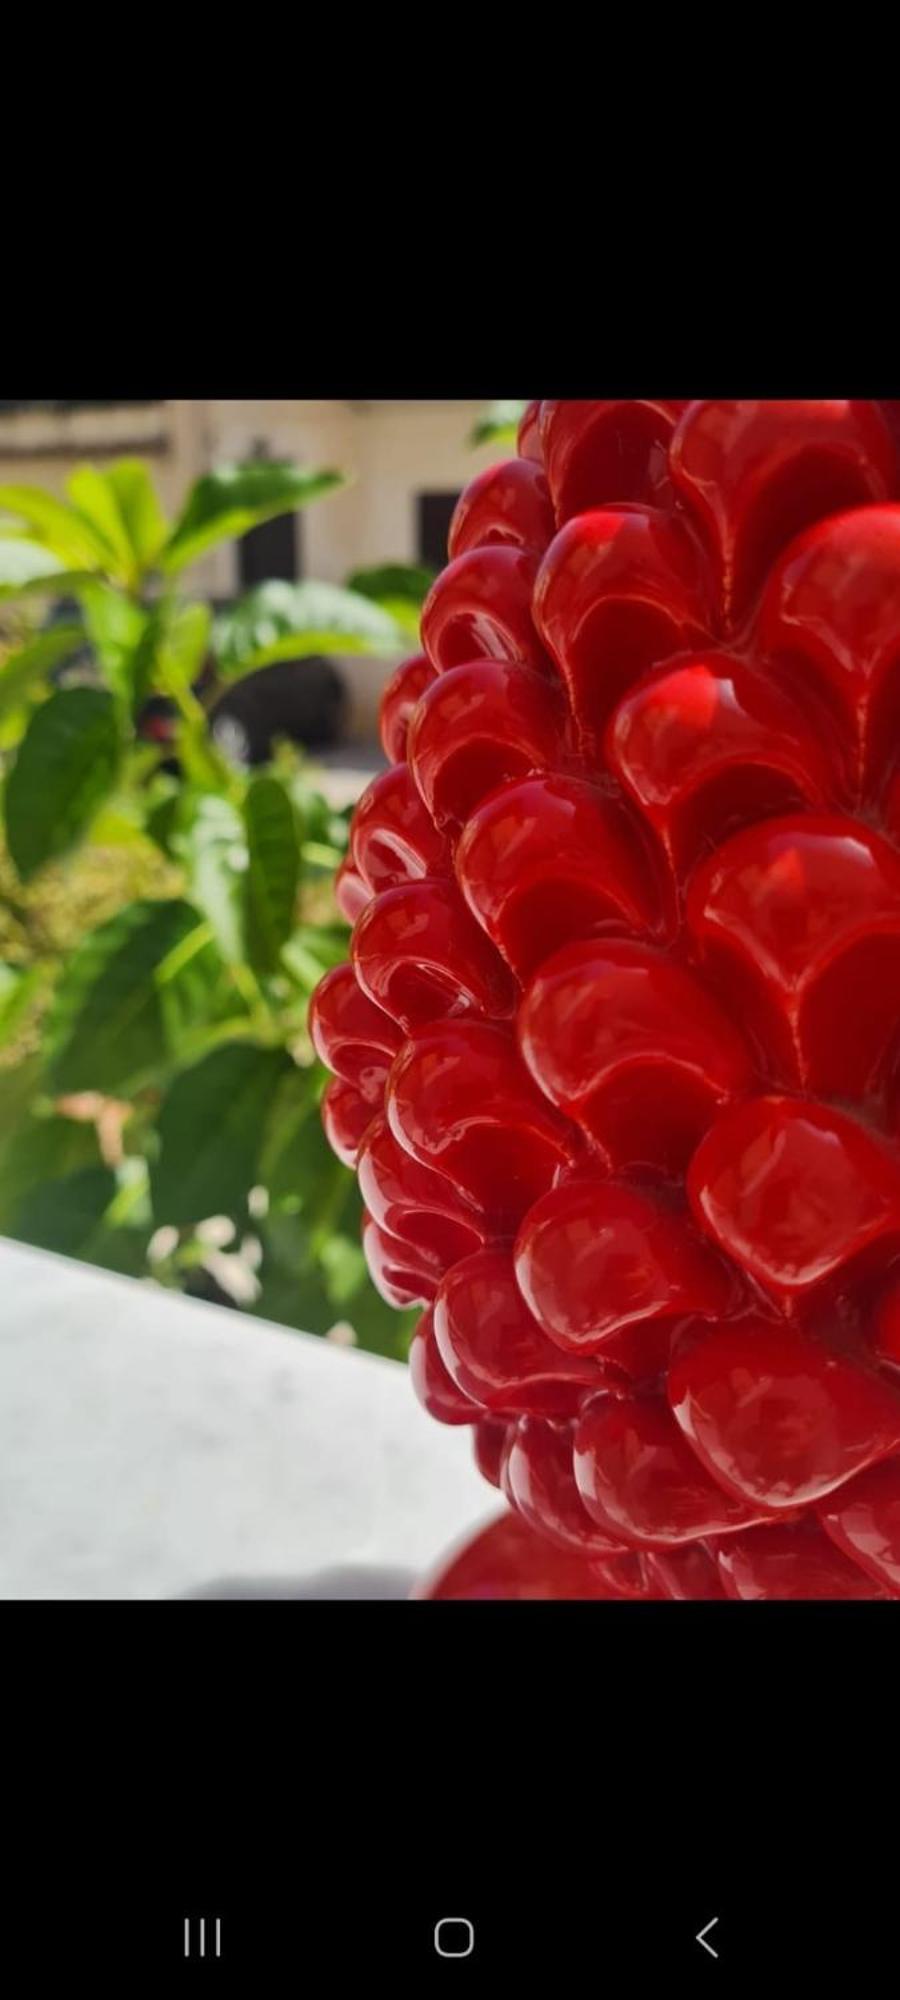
(152, 1445)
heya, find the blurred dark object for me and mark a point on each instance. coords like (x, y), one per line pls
(302, 700)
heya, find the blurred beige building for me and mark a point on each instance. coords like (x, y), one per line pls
(408, 461)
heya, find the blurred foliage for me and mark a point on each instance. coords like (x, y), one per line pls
(498, 424)
(164, 912)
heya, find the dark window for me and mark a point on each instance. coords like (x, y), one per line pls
(435, 513)
(271, 550)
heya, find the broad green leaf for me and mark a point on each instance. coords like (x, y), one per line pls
(61, 529)
(132, 997)
(65, 766)
(39, 1150)
(184, 646)
(399, 588)
(274, 870)
(212, 844)
(123, 635)
(27, 567)
(287, 621)
(228, 502)
(296, 1154)
(499, 424)
(290, 1295)
(66, 1215)
(95, 503)
(210, 1129)
(145, 523)
(20, 670)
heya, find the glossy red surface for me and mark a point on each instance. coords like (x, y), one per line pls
(420, 955)
(551, 859)
(398, 704)
(632, 1047)
(776, 1416)
(641, 1481)
(507, 1560)
(593, 1257)
(431, 1383)
(496, 1352)
(619, 1061)
(513, 722)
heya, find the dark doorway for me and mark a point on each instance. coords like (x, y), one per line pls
(271, 550)
(435, 513)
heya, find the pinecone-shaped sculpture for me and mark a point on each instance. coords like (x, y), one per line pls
(618, 1056)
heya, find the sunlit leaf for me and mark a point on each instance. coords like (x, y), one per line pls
(61, 529)
(27, 568)
(228, 502)
(273, 873)
(288, 621)
(130, 999)
(20, 671)
(212, 843)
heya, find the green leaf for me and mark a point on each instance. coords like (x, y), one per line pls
(96, 505)
(66, 1215)
(235, 498)
(212, 843)
(123, 635)
(399, 588)
(273, 873)
(343, 1267)
(20, 670)
(311, 1295)
(26, 566)
(292, 1296)
(296, 1154)
(198, 758)
(184, 646)
(40, 1150)
(499, 424)
(287, 621)
(210, 1130)
(61, 529)
(65, 766)
(142, 516)
(131, 998)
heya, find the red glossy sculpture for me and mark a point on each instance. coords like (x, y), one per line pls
(619, 1053)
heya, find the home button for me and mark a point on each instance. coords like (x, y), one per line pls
(454, 1937)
